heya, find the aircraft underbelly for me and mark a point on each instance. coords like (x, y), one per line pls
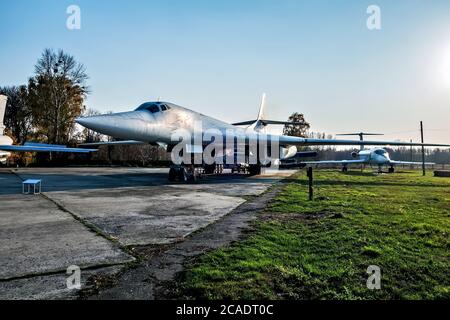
(377, 160)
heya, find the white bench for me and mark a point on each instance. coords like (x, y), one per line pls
(31, 182)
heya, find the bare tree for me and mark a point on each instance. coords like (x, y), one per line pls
(56, 95)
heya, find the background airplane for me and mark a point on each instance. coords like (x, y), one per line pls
(6, 143)
(375, 156)
(156, 122)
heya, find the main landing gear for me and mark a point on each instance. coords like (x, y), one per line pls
(390, 169)
(254, 169)
(250, 169)
(344, 169)
(191, 173)
(183, 173)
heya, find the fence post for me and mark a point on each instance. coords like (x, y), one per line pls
(423, 148)
(310, 183)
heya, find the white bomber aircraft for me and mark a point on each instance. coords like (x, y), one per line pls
(374, 156)
(6, 143)
(157, 123)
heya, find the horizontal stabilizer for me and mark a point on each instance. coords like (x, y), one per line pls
(282, 122)
(359, 134)
(244, 123)
(266, 122)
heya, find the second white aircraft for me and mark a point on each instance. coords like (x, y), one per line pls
(375, 156)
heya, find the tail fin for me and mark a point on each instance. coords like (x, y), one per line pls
(361, 136)
(258, 124)
(261, 114)
(2, 112)
(261, 122)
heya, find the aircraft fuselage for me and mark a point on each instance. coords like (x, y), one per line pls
(375, 156)
(152, 122)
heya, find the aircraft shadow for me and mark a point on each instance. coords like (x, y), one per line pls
(72, 182)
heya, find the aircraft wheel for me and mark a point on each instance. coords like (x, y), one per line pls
(183, 175)
(344, 169)
(391, 170)
(209, 169)
(254, 170)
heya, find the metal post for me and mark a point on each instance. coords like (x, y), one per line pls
(411, 151)
(423, 148)
(310, 182)
(411, 155)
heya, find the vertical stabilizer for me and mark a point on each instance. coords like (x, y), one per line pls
(2, 113)
(261, 115)
(258, 125)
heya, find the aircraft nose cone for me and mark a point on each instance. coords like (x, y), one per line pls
(120, 125)
(96, 123)
(85, 121)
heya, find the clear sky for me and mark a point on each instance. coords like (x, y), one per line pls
(218, 56)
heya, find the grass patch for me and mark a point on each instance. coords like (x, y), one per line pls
(399, 222)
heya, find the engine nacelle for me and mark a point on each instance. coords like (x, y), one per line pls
(354, 154)
(286, 153)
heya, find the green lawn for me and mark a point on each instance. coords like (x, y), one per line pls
(321, 249)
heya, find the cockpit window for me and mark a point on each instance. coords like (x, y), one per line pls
(153, 108)
(380, 152)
